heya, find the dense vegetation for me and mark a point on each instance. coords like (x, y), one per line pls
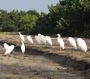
(68, 17)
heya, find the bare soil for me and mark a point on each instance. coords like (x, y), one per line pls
(43, 62)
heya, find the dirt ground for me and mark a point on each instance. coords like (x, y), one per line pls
(43, 62)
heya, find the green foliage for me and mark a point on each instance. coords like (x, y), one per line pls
(33, 12)
(15, 21)
(67, 17)
(70, 17)
(9, 33)
(27, 23)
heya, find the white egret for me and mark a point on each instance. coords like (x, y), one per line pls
(23, 47)
(72, 42)
(81, 43)
(5, 45)
(43, 39)
(21, 36)
(29, 38)
(40, 36)
(48, 40)
(60, 41)
(8, 48)
(37, 38)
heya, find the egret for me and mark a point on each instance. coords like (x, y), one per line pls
(81, 43)
(8, 48)
(72, 42)
(40, 36)
(29, 38)
(60, 41)
(5, 45)
(43, 39)
(37, 39)
(21, 36)
(48, 40)
(23, 47)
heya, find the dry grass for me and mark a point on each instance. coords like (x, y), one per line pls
(42, 62)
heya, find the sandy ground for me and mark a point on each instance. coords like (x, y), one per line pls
(43, 62)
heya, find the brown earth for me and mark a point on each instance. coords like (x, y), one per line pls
(43, 62)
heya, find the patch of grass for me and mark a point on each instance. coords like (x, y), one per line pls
(9, 33)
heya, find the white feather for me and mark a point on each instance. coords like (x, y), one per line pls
(49, 40)
(72, 42)
(8, 48)
(21, 36)
(6, 45)
(30, 39)
(60, 41)
(23, 47)
(43, 39)
(81, 43)
(37, 39)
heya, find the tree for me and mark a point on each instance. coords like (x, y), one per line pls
(27, 22)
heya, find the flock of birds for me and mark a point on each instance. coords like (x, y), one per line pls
(47, 40)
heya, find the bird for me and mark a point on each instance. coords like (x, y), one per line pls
(29, 38)
(37, 39)
(40, 38)
(43, 39)
(82, 44)
(48, 40)
(21, 36)
(8, 48)
(60, 41)
(5, 45)
(72, 42)
(23, 47)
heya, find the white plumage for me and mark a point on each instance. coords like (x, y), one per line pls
(37, 39)
(43, 39)
(8, 48)
(60, 41)
(48, 40)
(30, 39)
(81, 43)
(40, 38)
(5, 45)
(72, 42)
(21, 36)
(23, 47)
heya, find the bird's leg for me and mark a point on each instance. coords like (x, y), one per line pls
(72, 53)
(45, 45)
(7, 56)
(80, 55)
(61, 50)
(86, 53)
(22, 56)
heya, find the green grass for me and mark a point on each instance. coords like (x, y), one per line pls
(9, 33)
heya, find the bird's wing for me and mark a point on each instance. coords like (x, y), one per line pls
(6, 46)
(23, 48)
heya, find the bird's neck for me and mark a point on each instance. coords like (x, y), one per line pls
(59, 36)
(19, 33)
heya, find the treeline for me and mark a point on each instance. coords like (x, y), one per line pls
(68, 17)
(15, 21)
